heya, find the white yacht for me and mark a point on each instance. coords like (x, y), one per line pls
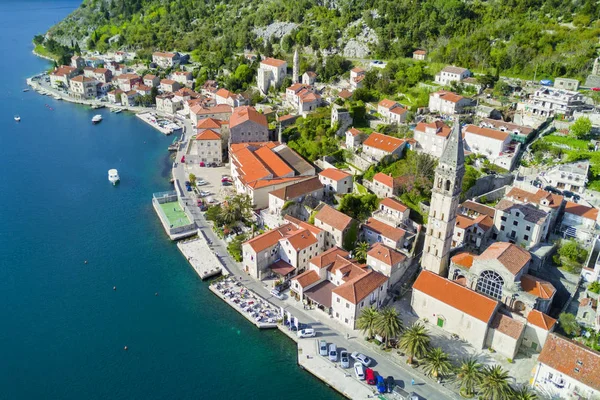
(97, 118)
(113, 176)
(17, 118)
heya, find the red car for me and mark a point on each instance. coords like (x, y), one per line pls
(202, 164)
(183, 159)
(370, 376)
(596, 89)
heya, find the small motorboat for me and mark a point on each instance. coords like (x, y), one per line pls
(113, 176)
(97, 118)
(17, 118)
(118, 110)
(26, 90)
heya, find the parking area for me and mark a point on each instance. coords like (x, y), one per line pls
(212, 177)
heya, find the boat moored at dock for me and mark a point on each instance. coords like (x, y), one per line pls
(113, 176)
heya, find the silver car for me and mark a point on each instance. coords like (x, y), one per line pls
(344, 359)
(333, 352)
(359, 370)
(323, 348)
(361, 358)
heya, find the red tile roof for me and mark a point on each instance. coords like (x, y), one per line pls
(246, 113)
(448, 96)
(302, 239)
(513, 257)
(385, 230)
(164, 55)
(273, 62)
(537, 287)
(332, 217)
(271, 238)
(393, 204)
(334, 174)
(420, 52)
(508, 326)
(208, 134)
(209, 123)
(296, 190)
(224, 93)
(386, 103)
(327, 258)
(354, 132)
(385, 254)
(456, 296)
(464, 222)
(345, 94)
(463, 259)
(581, 210)
(479, 208)
(541, 320)
(301, 224)
(307, 278)
(440, 128)
(357, 289)
(384, 179)
(486, 132)
(282, 268)
(383, 142)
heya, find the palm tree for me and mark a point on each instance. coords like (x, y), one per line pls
(366, 321)
(415, 341)
(523, 393)
(388, 324)
(361, 250)
(229, 214)
(469, 374)
(437, 363)
(494, 384)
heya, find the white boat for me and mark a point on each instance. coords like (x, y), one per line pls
(57, 97)
(113, 176)
(97, 118)
(17, 118)
(116, 110)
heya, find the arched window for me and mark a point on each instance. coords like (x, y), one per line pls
(490, 284)
(447, 185)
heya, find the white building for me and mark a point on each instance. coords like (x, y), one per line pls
(388, 262)
(336, 225)
(206, 146)
(580, 222)
(392, 112)
(572, 177)
(61, 76)
(309, 78)
(169, 85)
(354, 138)
(336, 181)
(83, 87)
(451, 74)
(184, 78)
(377, 146)
(357, 75)
(448, 103)
(431, 137)
(496, 146)
(271, 72)
(167, 103)
(523, 224)
(151, 80)
(419, 55)
(165, 60)
(547, 101)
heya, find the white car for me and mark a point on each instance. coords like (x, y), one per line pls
(359, 370)
(204, 194)
(323, 348)
(344, 359)
(201, 182)
(308, 332)
(333, 352)
(277, 294)
(361, 358)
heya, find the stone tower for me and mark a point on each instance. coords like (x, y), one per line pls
(296, 69)
(445, 197)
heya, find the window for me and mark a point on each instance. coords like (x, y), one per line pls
(503, 218)
(338, 299)
(525, 237)
(490, 284)
(518, 214)
(346, 320)
(347, 305)
(515, 223)
(501, 227)
(528, 228)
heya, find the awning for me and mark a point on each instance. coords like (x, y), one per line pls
(282, 268)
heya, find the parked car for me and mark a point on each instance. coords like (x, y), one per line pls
(381, 386)
(359, 370)
(596, 89)
(277, 294)
(552, 190)
(370, 376)
(226, 183)
(204, 193)
(323, 348)
(308, 332)
(201, 182)
(390, 383)
(364, 360)
(404, 395)
(332, 352)
(344, 359)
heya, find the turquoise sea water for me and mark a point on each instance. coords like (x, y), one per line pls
(62, 327)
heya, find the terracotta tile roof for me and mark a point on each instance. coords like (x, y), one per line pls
(307, 278)
(282, 268)
(301, 188)
(359, 78)
(101, 71)
(385, 230)
(398, 110)
(302, 239)
(448, 96)
(271, 238)
(358, 289)
(208, 134)
(572, 359)
(143, 88)
(209, 123)
(537, 287)
(332, 217)
(385, 254)
(393, 204)
(116, 92)
(464, 222)
(309, 97)
(167, 82)
(182, 73)
(420, 52)
(345, 94)
(498, 124)
(327, 258)
(510, 327)
(541, 320)
(334, 174)
(311, 74)
(479, 208)
(454, 70)
(439, 127)
(486, 132)
(581, 210)
(588, 302)
(353, 131)
(218, 109)
(463, 259)
(149, 77)
(383, 142)
(347, 269)
(247, 113)
(81, 78)
(384, 179)
(270, 182)
(529, 211)
(357, 70)
(63, 70)
(301, 224)
(456, 296)
(164, 55)
(185, 92)
(273, 162)
(128, 77)
(297, 87)
(386, 103)
(513, 257)
(484, 222)
(286, 117)
(273, 62)
(224, 93)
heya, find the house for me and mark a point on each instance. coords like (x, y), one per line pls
(566, 83)
(283, 251)
(470, 232)
(567, 370)
(385, 186)
(129, 99)
(449, 103)
(345, 94)
(474, 210)
(166, 103)
(309, 78)
(335, 224)
(142, 89)
(571, 177)
(271, 72)
(388, 262)
(208, 146)
(126, 82)
(103, 75)
(340, 286)
(114, 96)
(520, 223)
(496, 146)
(94, 62)
(518, 133)
(375, 231)
(354, 138)
(184, 78)
(580, 222)
(296, 192)
(199, 111)
(377, 146)
(587, 313)
(302, 97)
(392, 112)
(431, 137)
(169, 85)
(248, 125)
(60, 76)
(341, 118)
(336, 181)
(539, 326)
(543, 200)
(357, 75)
(392, 212)
(77, 62)
(546, 102)
(165, 60)
(451, 74)
(224, 96)
(151, 80)
(419, 55)
(83, 87)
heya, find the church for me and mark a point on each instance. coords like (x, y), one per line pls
(489, 300)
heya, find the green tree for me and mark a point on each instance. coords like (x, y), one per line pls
(214, 214)
(437, 363)
(360, 251)
(568, 323)
(388, 324)
(367, 320)
(350, 236)
(594, 287)
(571, 255)
(469, 375)
(524, 392)
(469, 179)
(581, 127)
(415, 341)
(192, 179)
(494, 384)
